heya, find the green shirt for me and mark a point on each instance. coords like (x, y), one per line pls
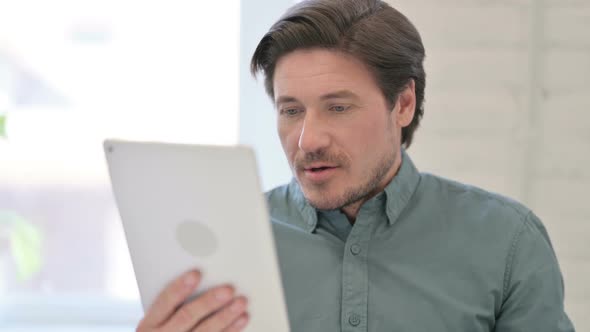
(426, 254)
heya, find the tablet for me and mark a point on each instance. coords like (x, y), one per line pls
(192, 206)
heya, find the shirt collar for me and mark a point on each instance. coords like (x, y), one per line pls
(400, 190)
(397, 194)
(308, 212)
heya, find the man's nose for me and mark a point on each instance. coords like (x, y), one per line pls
(314, 135)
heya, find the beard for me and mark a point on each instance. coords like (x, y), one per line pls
(356, 192)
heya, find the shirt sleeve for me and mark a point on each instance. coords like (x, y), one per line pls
(533, 285)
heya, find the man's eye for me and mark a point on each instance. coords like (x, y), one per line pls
(339, 108)
(290, 111)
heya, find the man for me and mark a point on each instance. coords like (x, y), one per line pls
(365, 241)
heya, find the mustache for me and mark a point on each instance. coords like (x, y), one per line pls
(302, 161)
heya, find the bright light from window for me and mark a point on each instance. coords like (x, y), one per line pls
(73, 73)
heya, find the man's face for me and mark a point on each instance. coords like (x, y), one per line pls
(340, 137)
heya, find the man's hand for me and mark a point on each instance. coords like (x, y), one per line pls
(218, 309)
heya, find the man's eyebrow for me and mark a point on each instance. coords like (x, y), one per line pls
(286, 99)
(331, 95)
(339, 94)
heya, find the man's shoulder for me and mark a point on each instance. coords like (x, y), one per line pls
(285, 204)
(278, 195)
(486, 216)
(477, 205)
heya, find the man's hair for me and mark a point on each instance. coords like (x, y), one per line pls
(370, 30)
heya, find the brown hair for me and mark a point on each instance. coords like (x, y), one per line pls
(370, 30)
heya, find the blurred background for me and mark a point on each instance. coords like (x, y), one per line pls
(507, 109)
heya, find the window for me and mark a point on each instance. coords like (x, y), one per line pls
(72, 74)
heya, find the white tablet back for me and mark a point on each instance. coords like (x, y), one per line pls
(187, 206)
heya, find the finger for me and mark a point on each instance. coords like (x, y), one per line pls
(170, 298)
(188, 315)
(224, 317)
(239, 324)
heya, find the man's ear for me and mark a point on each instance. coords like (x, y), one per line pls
(406, 105)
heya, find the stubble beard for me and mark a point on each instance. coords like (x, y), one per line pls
(359, 192)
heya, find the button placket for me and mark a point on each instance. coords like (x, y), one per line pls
(355, 279)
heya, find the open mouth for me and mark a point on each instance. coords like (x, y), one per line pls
(319, 169)
(319, 174)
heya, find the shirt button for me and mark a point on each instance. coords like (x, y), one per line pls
(354, 319)
(355, 249)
